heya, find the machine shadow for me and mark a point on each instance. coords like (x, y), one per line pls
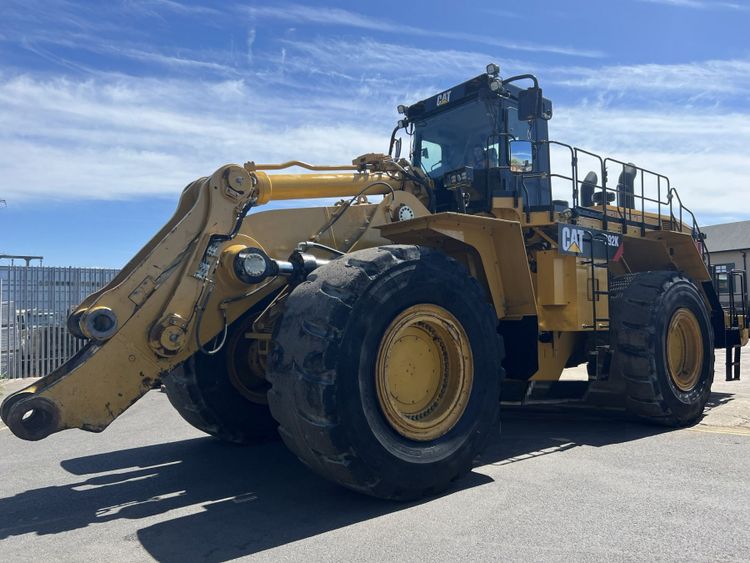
(259, 497)
(248, 499)
(717, 400)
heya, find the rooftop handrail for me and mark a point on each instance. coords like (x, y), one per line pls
(666, 197)
(663, 198)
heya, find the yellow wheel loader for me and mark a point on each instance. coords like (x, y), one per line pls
(378, 336)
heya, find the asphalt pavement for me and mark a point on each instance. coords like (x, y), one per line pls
(555, 486)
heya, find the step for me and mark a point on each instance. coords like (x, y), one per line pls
(733, 366)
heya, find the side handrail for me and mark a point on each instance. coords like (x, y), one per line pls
(696, 231)
(573, 178)
(736, 312)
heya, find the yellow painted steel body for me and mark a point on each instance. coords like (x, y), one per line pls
(499, 248)
(279, 187)
(179, 292)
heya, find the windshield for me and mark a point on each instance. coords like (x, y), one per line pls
(463, 136)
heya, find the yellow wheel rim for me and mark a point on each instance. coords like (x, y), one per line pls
(684, 349)
(424, 372)
(246, 364)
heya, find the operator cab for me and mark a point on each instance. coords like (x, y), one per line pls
(473, 141)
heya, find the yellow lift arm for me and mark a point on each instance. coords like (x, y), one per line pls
(176, 295)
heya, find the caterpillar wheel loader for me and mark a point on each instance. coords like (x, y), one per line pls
(378, 336)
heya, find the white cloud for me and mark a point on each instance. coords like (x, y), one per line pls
(370, 59)
(688, 79)
(166, 60)
(249, 42)
(316, 14)
(703, 153)
(121, 136)
(339, 17)
(700, 4)
(151, 6)
(47, 45)
(109, 135)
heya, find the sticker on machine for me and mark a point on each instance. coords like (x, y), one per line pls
(577, 241)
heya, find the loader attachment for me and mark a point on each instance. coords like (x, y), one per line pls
(197, 275)
(151, 317)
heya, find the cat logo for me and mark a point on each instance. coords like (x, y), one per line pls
(572, 240)
(577, 241)
(444, 98)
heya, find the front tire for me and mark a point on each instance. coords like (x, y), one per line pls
(664, 347)
(386, 371)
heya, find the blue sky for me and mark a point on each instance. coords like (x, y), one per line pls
(107, 110)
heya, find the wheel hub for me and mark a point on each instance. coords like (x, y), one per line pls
(424, 372)
(684, 350)
(246, 359)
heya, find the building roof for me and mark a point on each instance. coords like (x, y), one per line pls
(728, 236)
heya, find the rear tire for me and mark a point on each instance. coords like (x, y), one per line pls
(327, 392)
(202, 391)
(667, 378)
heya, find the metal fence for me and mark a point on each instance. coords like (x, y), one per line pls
(34, 305)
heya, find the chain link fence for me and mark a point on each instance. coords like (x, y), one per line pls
(34, 305)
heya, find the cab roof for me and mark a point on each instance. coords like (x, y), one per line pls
(470, 90)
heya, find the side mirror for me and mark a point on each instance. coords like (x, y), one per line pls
(521, 156)
(397, 149)
(530, 104)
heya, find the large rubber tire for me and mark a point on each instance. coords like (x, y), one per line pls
(322, 370)
(203, 394)
(643, 306)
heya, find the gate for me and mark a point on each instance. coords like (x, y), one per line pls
(34, 305)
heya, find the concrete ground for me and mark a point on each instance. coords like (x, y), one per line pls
(732, 396)
(555, 486)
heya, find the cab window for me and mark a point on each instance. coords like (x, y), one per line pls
(431, 156)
